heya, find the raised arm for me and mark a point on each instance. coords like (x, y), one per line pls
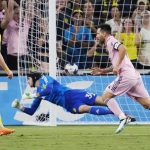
(8, 14)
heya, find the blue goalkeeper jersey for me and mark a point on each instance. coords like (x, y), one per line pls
(70, 99)
(52, 90)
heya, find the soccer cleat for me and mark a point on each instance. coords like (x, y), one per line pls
(123, 123)
(15, 104)
(6, 131)
(133, 119)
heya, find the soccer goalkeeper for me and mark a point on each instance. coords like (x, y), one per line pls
(73, 100)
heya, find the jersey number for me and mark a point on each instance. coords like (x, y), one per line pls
(89, 95)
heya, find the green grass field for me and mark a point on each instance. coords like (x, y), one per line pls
(134, 137)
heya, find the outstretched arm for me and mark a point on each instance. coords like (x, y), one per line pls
(33, 108)
(39, 92)
(98, 71)
(37, 100)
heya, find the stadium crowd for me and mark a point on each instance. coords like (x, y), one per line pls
(77, 22)
(129, 20)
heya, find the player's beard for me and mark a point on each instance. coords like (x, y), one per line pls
(101, 41)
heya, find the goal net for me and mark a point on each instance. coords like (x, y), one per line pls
(76, 25)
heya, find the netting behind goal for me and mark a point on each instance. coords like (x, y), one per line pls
(34, 37)
(33, 53)
(78, 46)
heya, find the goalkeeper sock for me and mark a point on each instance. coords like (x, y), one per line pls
(99, 110)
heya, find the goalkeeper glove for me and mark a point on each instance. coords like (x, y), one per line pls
(16, 104)
(30, 96)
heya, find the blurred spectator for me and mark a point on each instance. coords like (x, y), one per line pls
(3, 7)
(88, 10)
(100, 56)
(96, 53)
(144, 53)
(12, 36)
(77, 4)
(6, 17)
(60, 5)
(18, 2)
(78, 39)
(126, 7)
(89, 20)
(104, 7)
(116, 21)
(142, 5)
(63, 20)
(130, 39)
(43, 45)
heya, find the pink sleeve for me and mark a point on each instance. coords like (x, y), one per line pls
(115, 44)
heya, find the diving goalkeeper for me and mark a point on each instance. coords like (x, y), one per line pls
(76, 101)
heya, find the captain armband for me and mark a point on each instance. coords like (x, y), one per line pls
(116, 45)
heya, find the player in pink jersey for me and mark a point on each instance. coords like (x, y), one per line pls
(128, 80)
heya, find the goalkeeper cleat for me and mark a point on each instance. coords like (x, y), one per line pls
(15, 104)
(123, 123)
(6, 131)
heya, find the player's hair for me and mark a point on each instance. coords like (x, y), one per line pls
(35, 76)
(106, 28)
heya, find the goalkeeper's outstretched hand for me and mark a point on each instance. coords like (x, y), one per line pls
(29, 95)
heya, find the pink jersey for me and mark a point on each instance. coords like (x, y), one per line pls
(13, 40)
(4, 37)
(126, 68)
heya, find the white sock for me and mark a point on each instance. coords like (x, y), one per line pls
(114, 107)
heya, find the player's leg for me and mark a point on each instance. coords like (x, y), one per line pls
(117, 87)
(140, 94)
(145, 102)
(108, 98)
(87, 104)
(6, 131)
(3, 130)
(29, 111)
(1, 123)
(99, 101)
(81, 101)
(95, 110)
